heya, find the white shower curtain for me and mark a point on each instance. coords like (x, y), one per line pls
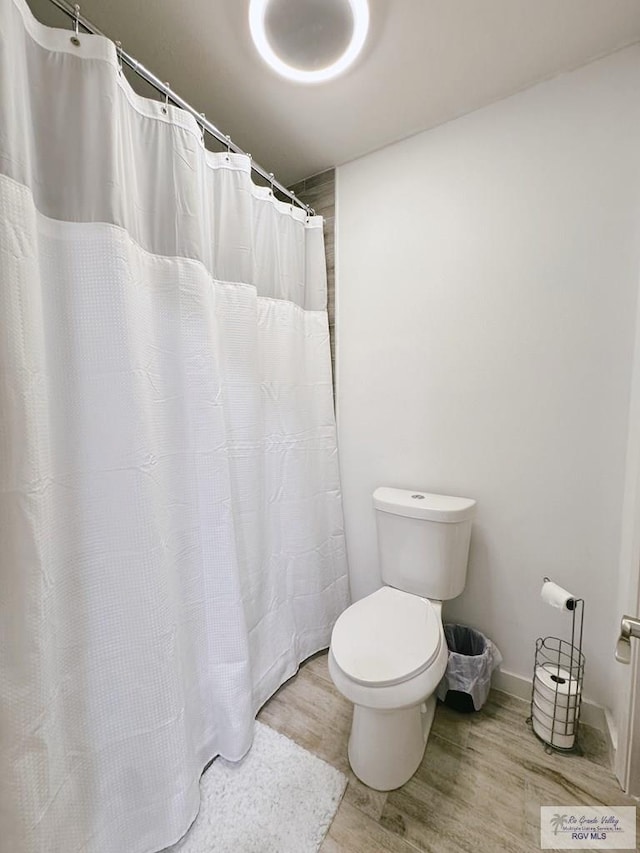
(171, 534)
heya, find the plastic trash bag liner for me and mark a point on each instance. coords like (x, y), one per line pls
(472, 659)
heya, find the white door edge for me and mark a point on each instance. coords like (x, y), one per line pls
(626, 711)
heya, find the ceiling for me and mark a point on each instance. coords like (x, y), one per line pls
(425, 62)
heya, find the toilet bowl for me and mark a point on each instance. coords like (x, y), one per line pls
(388, 651)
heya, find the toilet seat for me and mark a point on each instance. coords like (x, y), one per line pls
(386, 638)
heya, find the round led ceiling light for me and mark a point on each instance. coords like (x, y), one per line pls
(309, 41)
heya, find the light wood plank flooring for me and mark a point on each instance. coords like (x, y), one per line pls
(480, 785)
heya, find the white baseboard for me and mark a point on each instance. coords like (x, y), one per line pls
(611, 731)
(520, 687)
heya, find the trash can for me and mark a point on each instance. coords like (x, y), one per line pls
(472, 659)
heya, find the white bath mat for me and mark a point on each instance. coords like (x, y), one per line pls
(278, 799)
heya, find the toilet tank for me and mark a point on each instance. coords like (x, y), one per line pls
(423, 541)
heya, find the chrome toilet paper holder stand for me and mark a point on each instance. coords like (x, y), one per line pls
(561, 658)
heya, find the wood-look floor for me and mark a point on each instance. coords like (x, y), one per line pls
(479, 788)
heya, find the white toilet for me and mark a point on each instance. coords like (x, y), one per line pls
(388, 650)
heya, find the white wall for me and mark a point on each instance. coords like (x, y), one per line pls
(487, 276)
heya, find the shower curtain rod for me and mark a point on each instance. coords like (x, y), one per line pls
(164, 89)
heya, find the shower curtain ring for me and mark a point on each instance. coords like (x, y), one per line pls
(271, 180)
(228, 138)
(119, 55)
(75, 40)
(165, 106)
(202, 126)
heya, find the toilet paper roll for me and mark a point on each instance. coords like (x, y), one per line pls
(555, 684)
(550, 709)
(555, 705)
(553, 733)
(556, 596)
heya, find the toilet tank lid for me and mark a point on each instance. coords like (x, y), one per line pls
(416, 504)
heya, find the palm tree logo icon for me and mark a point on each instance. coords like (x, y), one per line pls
(557, 822)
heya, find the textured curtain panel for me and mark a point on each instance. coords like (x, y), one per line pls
(171, 534)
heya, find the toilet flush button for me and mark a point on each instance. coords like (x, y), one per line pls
(418, 497)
